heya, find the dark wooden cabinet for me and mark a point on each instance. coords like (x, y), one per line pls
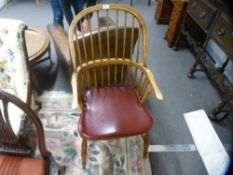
(175, 21)
(203, 12)
(222, 34)
(171, 12)
(208, 30)
(163, 11)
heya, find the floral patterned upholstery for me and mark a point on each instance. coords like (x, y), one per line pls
(14, 77)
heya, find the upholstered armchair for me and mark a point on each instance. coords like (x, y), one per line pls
(14, 65)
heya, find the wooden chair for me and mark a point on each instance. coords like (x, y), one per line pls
(15, 149)
(127, 38)
(112, 105)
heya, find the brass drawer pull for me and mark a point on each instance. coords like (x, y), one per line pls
(221, 31)
(203, 15)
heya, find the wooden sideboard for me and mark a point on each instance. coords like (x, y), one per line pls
(163, 11)
(208, 30)
(171, 12)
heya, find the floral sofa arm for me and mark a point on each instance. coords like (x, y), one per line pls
(14, 65)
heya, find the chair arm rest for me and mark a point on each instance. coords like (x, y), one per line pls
(153, 83)
(134, 75)
(60, 39)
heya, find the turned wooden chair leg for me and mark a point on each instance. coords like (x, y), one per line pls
(145, 137)
(84, 153)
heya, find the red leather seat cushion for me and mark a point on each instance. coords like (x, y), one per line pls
(14, 165)
(113, 112)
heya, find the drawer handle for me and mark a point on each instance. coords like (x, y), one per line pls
(221, 32)
(203, 15)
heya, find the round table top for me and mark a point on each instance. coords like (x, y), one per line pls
(37, 43)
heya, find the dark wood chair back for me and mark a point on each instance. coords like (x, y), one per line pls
(20, 144)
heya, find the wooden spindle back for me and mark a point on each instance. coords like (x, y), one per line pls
(113, 72)
(124, 35)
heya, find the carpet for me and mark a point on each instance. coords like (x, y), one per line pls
(113, 157)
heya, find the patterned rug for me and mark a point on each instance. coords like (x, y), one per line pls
(113, 157)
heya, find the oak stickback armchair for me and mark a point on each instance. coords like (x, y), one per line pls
(111, 93)
(14, 65)
(124, 35)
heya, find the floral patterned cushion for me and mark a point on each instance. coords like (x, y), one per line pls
(13, 69)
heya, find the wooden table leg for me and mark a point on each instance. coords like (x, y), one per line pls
(221, 111)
